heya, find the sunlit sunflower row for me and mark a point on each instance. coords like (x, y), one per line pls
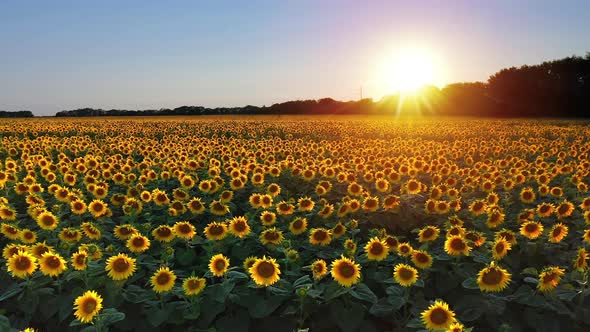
(404, 218)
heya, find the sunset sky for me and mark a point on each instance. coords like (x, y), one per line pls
(57, 55)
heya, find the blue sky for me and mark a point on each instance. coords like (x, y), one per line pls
(57, 55)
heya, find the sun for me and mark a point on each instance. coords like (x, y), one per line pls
(407, 70)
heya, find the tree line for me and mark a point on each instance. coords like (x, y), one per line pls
(558, 88)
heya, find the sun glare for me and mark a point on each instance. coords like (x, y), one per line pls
(409, 69)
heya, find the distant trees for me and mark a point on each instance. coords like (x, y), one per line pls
(559, 88)
(16, 114)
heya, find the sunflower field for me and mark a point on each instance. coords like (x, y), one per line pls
(294, 224)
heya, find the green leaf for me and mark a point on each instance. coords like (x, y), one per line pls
(363, 293)
(415, 323)
(136, 294)
(302, 282)
(110, 316)
(219, 292)
(531, 280)
(470, 283)
(334, 290)
(89, 329)
(262, 307)
(186, 257)
(530, 271)
(11, 291)
(382, 310)
(236, 275)
(566, 293)
(193, 312)
(157, 316)
(4, 323)
(348, 318)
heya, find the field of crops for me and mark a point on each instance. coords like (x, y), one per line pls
(287, 223)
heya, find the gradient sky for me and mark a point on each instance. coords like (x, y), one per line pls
(57, 55)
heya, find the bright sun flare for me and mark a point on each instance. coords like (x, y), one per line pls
(410, 69)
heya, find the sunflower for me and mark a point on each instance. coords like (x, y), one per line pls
(370, 204)
(271, 236)
(273, 189)
(338, 230)
(456, 230)
(350, 246)
(305, 204)
(193, 285)
(493, 278)
(7, 213)
(39, 249)
(27, 236)
(239, 227)
(456, 246)
(87, 306)
(268, 218)
(500, 248)
(94, 252)
(196, 206)
(495, 217)
(557, 233)
(138, 243)
(255, 200)
(404, 249)
(298, 226)
(586, 236)
(70, 235)
(320, 236)
(438, 316)
(392, 242)
(507, 234)
(284, 208)
(376, 249)
(52, 264)
(266, 201)
(456, 327)
(160, 198)
(581, 260)
(91, 231)
(531, 229)
(413, 187)
(319, 269)
(215, 231)
(124, 232)
(184, 230)
(549, 278)
(218, 265)
(97, 208)
(164, 233)
(120, 267)
(79, 260)
(218, 208)
(163, 280)
(10, 231)
(478, 207)
(545, 209)
(527, 195)
(565, 209)
(421, 259)
(47, 220)
(428, 234)
(405, 275)
(345, 271)
(248, 262)
(13, 249)
(265, 271)
(21, 264)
